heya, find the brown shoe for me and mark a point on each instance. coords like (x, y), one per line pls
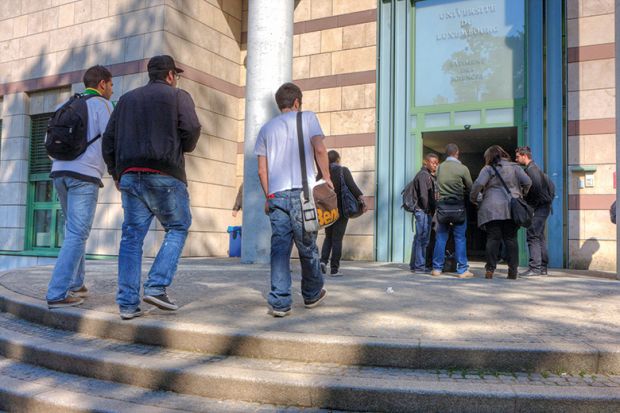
(70, 301)
(82, 292)
(488, 274)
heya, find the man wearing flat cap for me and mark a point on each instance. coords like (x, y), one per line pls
(150, 130)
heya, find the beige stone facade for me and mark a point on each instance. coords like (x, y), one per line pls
(45, 46)
(591, 133)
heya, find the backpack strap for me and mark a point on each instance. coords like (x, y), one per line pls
(302, 157)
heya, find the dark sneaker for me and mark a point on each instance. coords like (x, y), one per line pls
(529, 273)
(334, 272)
(323, 267)
(161, 301)
(82, 292)
(128, 314)
(70, 301)
(279, 313)
(316, 301)
(543, 271)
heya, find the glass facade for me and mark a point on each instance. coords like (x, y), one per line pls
(468, 51)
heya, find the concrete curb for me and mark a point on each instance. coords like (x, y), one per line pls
(214, 380)
(346, 350)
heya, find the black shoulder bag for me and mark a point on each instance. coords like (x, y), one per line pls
(351, 206)
(451, 211)
(520, 211)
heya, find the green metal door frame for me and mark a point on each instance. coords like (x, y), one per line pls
(399, 151)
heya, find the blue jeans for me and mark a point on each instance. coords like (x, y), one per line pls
(145, 196)
(78, 200)
(420, 242)
(286, 227)
(442, 231)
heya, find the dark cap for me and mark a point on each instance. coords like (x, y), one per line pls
(162, 63)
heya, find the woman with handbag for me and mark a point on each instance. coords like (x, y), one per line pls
(350, 205)
(490, 193)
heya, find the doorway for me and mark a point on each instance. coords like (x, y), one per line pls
(472, 144)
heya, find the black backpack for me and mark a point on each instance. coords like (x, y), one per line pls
(67, 130)
(548, 191)
(409, 199)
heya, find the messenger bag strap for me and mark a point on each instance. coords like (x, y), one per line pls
(502, 180)
(302, 157)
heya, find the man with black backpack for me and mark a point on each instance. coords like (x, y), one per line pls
(540, 196)
(73, 142)
(419, 198)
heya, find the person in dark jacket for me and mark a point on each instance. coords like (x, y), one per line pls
(539, 197)
(494, 208)
(424, 195)
(332, 245)
(144, 144)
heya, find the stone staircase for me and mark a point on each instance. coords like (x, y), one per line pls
(76, 360)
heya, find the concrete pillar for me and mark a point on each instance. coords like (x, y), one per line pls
(269, 64)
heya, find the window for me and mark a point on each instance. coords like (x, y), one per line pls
(45, 218)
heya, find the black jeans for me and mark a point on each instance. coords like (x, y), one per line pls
(536, 242)
(497, 231)
(333, 242)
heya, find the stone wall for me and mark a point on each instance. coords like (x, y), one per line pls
(591, 133)
(46, 46)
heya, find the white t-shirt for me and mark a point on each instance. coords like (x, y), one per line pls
(277, 140)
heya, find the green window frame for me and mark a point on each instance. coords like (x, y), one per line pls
(45, 226)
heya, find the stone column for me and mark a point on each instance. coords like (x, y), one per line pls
(14, 170)
(269, 64)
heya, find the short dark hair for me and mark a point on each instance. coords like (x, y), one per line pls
(96, 74)
(494, 154)
(333, 156)
(286, 95)
(430, 155)
(452, 149)
(524, 150)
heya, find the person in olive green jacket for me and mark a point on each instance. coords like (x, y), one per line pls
(454, 183)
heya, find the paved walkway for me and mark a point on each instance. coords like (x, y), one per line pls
(375, 300)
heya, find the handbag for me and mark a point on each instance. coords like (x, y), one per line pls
(319, 207)
(451, 211)
(351, 206)
(520, 212)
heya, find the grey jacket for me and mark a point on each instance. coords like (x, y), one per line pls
(495, 203)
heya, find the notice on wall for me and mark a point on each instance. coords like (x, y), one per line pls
(468, 51)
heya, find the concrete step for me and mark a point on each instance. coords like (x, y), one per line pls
(303, 384)
(28, 388)
(573, 357)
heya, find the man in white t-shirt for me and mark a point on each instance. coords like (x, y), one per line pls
(279, 170)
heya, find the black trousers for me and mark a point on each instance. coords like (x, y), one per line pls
(332, 245)
(498, 231)
(536, 239)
